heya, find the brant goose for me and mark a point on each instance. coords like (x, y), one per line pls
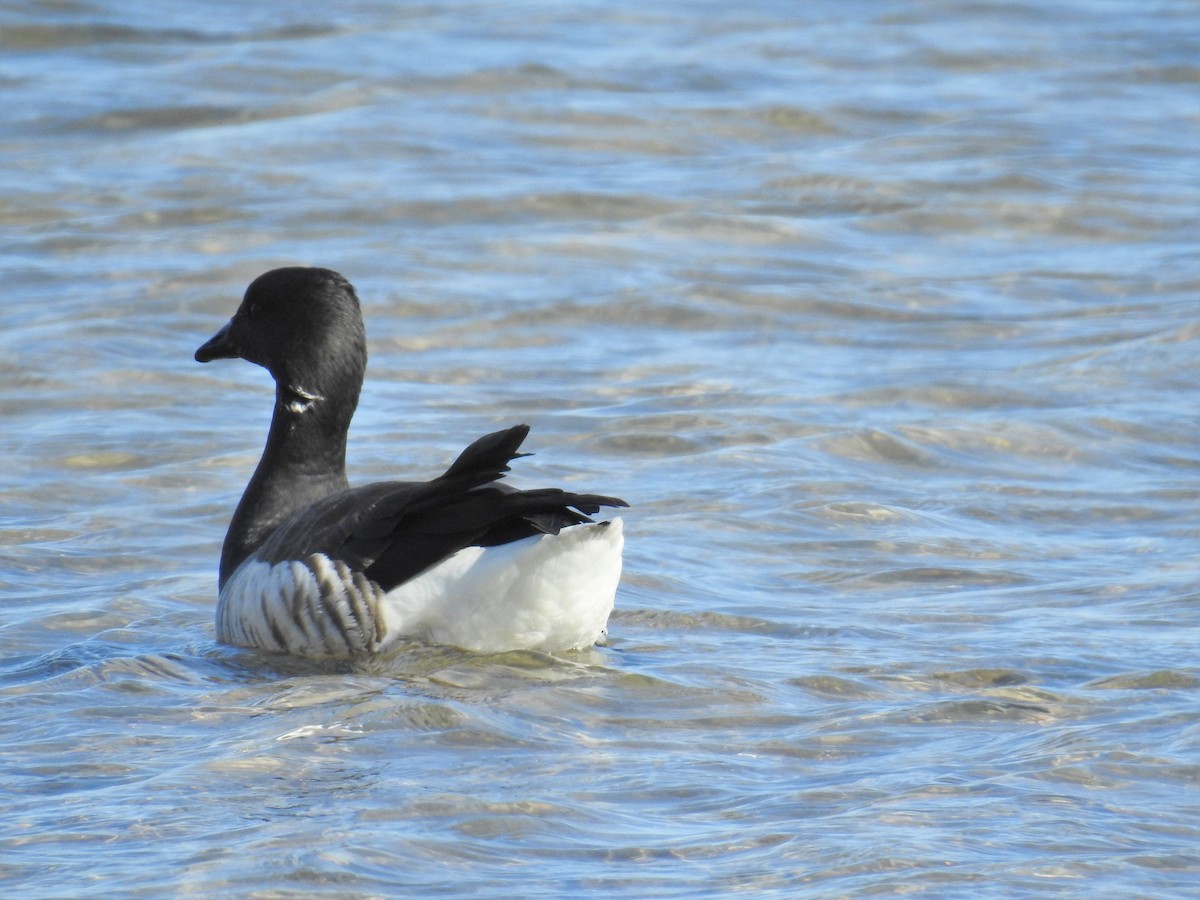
(315, 568)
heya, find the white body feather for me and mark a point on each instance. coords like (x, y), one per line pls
(548, 592)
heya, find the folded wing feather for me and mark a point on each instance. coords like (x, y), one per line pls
(393, 531)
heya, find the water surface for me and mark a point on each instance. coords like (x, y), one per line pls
(882, 316)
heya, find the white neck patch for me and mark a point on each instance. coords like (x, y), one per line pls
(302, 401)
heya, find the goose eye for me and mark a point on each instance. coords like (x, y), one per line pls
(253, 311)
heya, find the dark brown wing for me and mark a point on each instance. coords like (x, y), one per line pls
(393, 531)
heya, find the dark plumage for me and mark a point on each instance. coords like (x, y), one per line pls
(305, 327)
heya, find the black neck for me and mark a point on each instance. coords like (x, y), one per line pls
(304, 460)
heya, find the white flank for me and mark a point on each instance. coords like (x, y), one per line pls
(549, 592)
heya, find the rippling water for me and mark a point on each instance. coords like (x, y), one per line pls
(882, 315)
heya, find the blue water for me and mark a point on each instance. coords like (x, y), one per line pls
(882, 316)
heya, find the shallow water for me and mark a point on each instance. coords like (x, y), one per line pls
(882, 316)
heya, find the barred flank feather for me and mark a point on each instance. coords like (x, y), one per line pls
(547, 592)
(313, 607)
